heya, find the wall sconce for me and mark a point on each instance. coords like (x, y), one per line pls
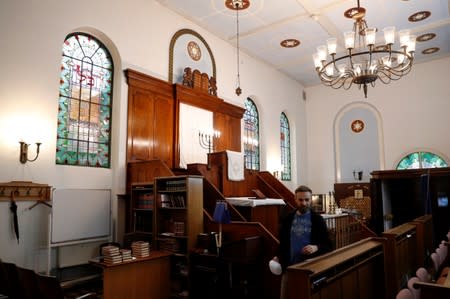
(24, 152)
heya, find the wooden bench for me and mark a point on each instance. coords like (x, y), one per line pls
(353, 271)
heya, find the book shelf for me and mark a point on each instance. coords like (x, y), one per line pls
(141, 212)
(178, 221)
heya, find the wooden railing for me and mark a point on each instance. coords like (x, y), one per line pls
(345, 229)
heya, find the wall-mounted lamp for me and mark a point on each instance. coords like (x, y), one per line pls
(24, 152)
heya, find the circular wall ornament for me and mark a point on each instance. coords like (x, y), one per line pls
(194, 51)
(357, 126)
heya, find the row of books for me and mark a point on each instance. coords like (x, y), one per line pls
(172, 201)
(145, 201)
(178, 185)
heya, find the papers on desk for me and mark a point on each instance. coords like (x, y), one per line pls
(254, 202)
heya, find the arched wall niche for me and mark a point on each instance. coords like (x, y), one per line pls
(189, 49)
(358, 142)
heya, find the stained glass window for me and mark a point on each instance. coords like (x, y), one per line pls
(285, 148)
(421, 160)
(251, 135)
(85, 102)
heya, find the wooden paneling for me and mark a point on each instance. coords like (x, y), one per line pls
(153, 118)
(226, 117)
(230, 128)
(150, 119)
(145, 171)
(401, 250)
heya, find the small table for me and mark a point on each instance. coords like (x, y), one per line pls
(147, 277)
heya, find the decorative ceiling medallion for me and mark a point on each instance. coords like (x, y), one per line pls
(290, 43)
(419, 16)
(355, 13)
(430, 50)
(425, 37)
(242, 4)
(194, 51)
(357, 126)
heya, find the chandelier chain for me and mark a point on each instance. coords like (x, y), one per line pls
(237, 45)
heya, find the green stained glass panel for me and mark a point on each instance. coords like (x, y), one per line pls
(85, 103)
(421, 160)
(430, 160)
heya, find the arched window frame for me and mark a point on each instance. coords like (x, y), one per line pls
(85, 102)
(285, 147)
(251, 135)
(421, 159)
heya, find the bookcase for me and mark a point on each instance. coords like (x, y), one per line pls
(141, 212)
(178, 220)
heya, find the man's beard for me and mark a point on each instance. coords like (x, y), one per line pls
(303, 209)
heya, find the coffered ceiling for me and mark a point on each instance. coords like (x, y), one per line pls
(266, 23)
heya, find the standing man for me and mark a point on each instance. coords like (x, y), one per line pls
(303, 234)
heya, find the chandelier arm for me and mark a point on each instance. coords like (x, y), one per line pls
(349, 83)
(385, 79)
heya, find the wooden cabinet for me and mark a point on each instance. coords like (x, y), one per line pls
(178, 222)
(141, 278)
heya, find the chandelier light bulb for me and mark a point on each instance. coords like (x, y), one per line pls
(317, 62)
(404, 37)
(322, 51)
(370, 36)
(330, 70)
(341, 68)
(349, 37)
(332, 45)
(411, 44)
(389, 35)
(357, 69)
(386, 61)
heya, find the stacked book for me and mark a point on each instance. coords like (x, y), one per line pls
(111, 255)
(140, 249)
(126, 255)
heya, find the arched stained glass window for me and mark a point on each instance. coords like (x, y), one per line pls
(285, 148)
(85, 102)
(421, 160)
(251, 135)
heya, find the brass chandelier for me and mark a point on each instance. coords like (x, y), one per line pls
(363, 66)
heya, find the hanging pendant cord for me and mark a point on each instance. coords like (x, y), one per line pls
(237, 43)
